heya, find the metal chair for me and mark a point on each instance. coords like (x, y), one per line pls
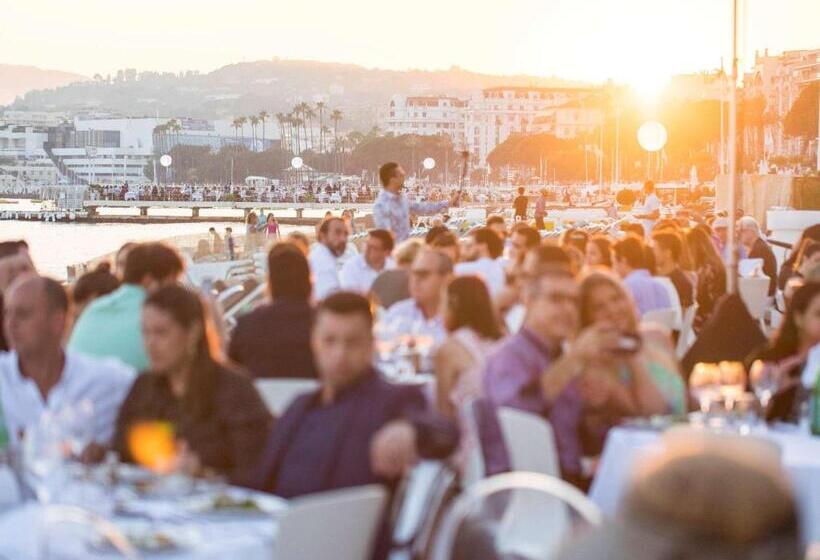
(523, 531)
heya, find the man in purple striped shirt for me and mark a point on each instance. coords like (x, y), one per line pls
(514, 374)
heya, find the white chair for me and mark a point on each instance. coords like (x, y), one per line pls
(337, 525)
(755, 294)
(530, 442)
(279, 393)
(674, 299)
(533, 533)
(686, 336)
(419, 501)
(665, 317)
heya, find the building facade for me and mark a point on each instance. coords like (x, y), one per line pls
(489, 116)
(779, 80)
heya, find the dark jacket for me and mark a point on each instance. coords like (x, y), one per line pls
(317, 448)
(274, 340)
(762, 250)
(229, 439)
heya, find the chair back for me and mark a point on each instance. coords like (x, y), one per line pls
(279, 393)
(420, 500)
(337, 525)
(665, 317)
(755, 294)
(674, 298)
(687, 331)
(530, 442)
(524, 530)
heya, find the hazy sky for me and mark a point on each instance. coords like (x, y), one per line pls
(636, 41)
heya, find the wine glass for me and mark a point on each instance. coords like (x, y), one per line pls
(77, 426)
(704, 383)
(765, 382)
(43, 457)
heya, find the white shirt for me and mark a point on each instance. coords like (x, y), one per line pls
(104, 382)
(489, 270)
(651, 204)
(324, 266)
(357, 275)
(408, 318)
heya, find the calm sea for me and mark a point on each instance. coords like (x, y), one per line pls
(55, 246)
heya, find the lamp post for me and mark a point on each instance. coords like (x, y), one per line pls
(731, 277)
(166, 161)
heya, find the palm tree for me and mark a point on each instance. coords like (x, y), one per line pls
(254, 120)
(320, 107)
(336, 116)
(263, 116)
(297, 122)
(309, 115)
(280, 120)
(236, 124)
(242, 121)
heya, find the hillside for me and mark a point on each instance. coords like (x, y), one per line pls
(273, 85)
(17, 80)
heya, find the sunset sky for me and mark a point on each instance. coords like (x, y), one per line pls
(640, 42)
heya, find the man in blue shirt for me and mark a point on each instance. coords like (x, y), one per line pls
(357, 428)
(392, 209)
(630, 262)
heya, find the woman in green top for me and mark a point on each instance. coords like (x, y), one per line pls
(620, 368)
(607, 309)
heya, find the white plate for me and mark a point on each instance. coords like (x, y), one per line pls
(267, 505)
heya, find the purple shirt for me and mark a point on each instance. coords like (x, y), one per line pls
(648, 293)
(512, 377)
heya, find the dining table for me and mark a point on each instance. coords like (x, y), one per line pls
(75, 526)
(626, 447)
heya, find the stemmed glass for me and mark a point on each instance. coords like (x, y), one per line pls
(43, 457)
(765, 382)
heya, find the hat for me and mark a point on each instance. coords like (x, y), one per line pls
(720, 223)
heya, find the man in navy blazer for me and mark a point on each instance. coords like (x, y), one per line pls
(357, 428)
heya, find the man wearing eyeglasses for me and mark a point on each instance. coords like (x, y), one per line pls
(421, 313)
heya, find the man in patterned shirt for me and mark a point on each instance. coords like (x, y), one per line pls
(392, 209)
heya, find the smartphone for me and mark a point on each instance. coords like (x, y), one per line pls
(628, 343)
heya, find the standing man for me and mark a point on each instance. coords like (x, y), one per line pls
(392, 210)
(324, 256)
(520, 205)
(651, 210)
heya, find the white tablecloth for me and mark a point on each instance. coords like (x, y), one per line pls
(625, 447)
(247, 538)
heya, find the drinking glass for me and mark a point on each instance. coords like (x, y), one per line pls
(43, 457)
(704, 383)
(765, 382)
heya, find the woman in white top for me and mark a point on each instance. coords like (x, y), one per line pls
(473, 330)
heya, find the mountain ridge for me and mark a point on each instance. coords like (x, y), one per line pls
(274, 85)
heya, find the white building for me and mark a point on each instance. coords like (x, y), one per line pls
(485, 119)
(779, 80)
(570, 120)
(425, 115)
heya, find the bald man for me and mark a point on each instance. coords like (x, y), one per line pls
(38, 375)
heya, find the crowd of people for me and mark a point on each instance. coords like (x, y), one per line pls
(558, 328)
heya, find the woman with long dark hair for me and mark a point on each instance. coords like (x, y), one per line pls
(786, 356)
(473, 328)
(711, 273)
(216, 414)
